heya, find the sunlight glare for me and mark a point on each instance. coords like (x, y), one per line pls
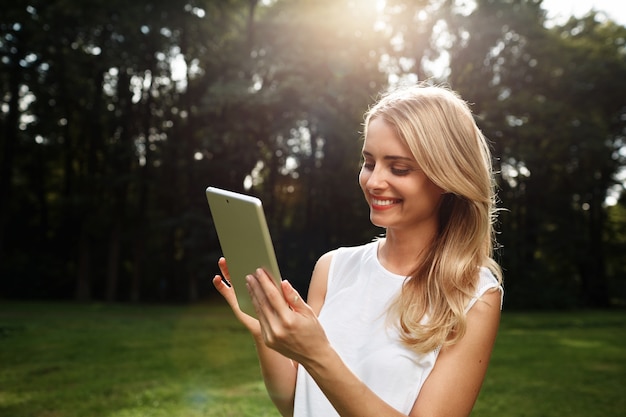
(379, 24)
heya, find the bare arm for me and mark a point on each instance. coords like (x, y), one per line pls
(319, 283)
(453, 385)
(290, 326)
(279, 372)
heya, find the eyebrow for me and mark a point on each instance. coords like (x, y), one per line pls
(391, 157)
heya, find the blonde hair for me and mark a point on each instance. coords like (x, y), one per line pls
(442, 135)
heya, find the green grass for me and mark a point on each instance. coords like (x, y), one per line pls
(65, 360)
(122, 361)
(557, 364)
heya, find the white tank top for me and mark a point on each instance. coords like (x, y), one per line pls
(354, 318)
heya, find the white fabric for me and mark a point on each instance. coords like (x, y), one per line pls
(353, 316)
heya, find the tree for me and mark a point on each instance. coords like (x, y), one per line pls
(315, 72)
(113, 122)
(555, 127)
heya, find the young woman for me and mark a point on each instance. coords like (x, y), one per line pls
(404, 325)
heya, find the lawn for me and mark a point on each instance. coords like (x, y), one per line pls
(70, 360)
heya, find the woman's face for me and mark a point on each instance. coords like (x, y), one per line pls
(399, 194)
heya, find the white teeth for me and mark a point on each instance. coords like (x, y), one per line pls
(382, 202)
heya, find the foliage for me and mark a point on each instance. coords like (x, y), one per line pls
(115, 116)
(557, 125)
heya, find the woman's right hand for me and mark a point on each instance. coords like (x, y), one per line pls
(228, 292)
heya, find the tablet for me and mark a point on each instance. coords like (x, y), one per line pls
(244, 238)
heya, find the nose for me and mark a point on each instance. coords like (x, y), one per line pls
(375, 179)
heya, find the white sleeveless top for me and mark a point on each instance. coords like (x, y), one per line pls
(354, 318)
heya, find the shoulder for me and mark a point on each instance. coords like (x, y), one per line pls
(336, 261)
(356, 254)
(349, 255)
(487, 278)
(488, 284)
(325, 260)
(319, 281)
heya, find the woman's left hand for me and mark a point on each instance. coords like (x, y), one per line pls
(288, 324)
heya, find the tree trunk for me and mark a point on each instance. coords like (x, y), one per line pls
(193, 287)
(114, 260)
(83, 278)
(594, 281)
(135, 285)
(142, 204)
(115, 238)
(8, 154)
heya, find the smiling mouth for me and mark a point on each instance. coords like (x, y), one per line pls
(385, 202)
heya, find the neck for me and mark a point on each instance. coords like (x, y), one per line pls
(401, 252)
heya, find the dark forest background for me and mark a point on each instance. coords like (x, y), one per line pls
(116, 115)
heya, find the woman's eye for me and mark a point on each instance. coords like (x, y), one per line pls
(400, 171)
(367, 165)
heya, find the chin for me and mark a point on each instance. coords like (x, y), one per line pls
(377, 222)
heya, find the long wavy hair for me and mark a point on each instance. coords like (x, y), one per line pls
(438, 127)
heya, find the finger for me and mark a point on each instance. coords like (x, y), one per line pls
(226, 291)
(224, 268)
(270, 291)
(292, 296)
(225, 288)
(257, 294)
(231, 298)
(261, 305)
